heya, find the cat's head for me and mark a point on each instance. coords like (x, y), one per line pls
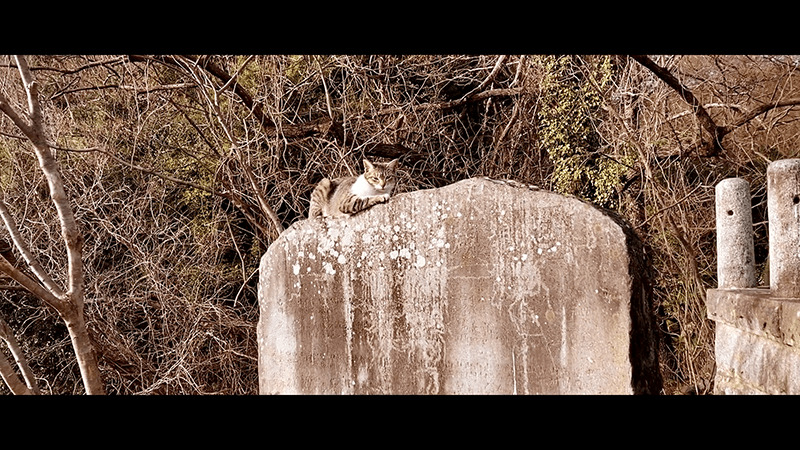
(380, 175)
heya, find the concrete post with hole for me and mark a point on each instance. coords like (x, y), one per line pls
(735, 255)
(758, 328)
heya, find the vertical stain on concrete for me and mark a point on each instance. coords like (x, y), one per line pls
(478, 287)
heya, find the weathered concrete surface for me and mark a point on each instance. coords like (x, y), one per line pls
(783, 210)
(757, 338)
(475, 288)
(735, 249)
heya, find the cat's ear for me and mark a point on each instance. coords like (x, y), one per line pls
(368, 166)
(392, 165)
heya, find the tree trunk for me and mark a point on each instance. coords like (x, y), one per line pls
(84, 350)
(69, 304)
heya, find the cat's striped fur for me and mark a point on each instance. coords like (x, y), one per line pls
(345, 196)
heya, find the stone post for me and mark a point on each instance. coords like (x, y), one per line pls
(735, 254)
(783, 205)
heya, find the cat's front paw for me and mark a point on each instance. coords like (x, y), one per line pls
(384, 198)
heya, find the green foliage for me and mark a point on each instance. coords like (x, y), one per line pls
(569, 114)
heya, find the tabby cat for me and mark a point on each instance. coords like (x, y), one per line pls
(345, 196)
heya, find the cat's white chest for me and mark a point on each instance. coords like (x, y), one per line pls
(362, 188)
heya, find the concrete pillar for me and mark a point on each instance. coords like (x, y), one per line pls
(735, 255)
(783, 205)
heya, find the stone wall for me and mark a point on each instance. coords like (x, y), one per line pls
(758, 328)
(480, 287)
(756, 342)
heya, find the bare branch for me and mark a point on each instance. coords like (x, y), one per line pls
(12, 114)
(497, 66)
(236, 200)
(263, 205)
(209, 66)
(88, 65)
(236, 74)
(140, 91)
(13, 382)
(702, 115)
(717, 132)
(31, 388)
(33, 263)
(32, 90)
(8, 287)
(757, 111)
(706, 106)
(35, 288)
(507, 92)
